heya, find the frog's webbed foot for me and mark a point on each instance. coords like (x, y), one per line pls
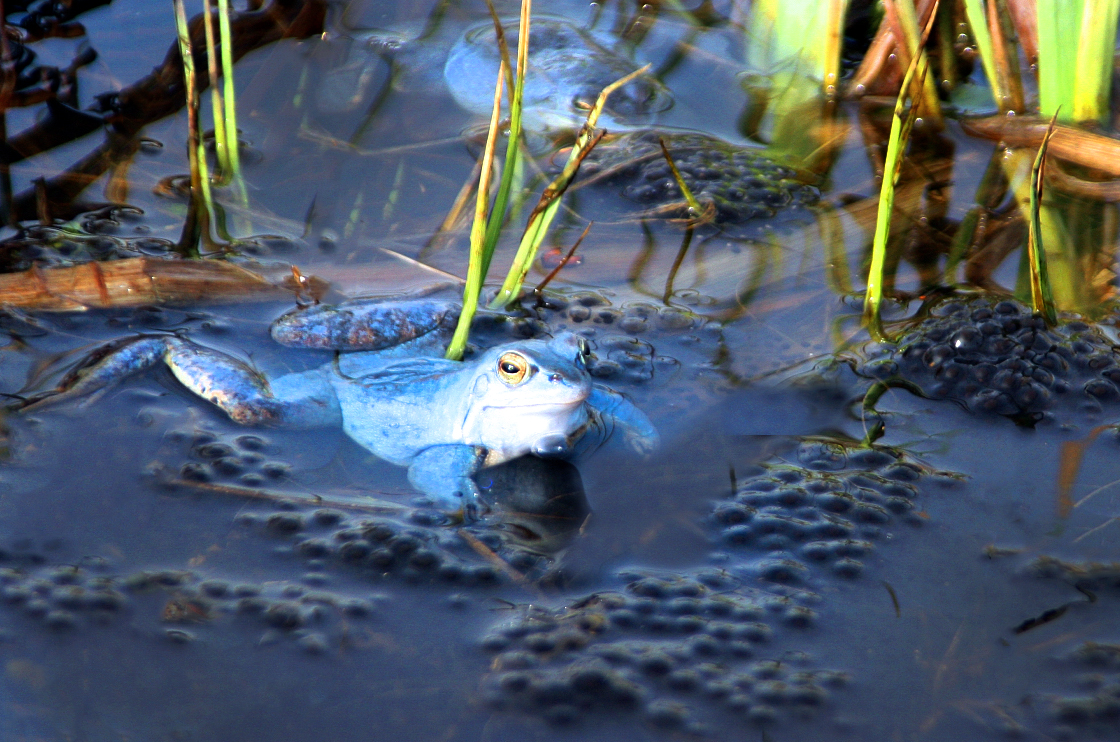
(614, 410)
(444, 474)
(105, 366)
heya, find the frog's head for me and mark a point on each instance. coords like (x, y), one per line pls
(527, 392)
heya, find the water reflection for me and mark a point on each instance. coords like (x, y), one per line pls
(540, 504)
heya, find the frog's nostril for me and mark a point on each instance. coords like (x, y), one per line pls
(555, 377)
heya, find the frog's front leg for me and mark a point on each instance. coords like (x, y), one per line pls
(444, 473)
(613, 410)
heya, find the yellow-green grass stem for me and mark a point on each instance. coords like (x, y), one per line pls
(978, 22)
(693, 204)
(475, 276)
(1094, 70)
(901, 125)
(541, 217)
(511, 169)
(229, 97)
(217, 109)
(915, 44)
(1042, 298)
(197, 224)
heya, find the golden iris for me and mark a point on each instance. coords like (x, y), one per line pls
(513, 368)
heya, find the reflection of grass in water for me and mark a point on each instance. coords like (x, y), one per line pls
(202, 210)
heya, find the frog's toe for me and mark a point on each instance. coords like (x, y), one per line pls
(643, 440)
(444, 474)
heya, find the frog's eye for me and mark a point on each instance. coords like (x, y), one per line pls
(513, 368)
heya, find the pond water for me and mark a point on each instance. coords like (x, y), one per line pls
(168, 575)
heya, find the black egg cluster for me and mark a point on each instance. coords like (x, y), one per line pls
(827, 510)
(996, 357)
(614, 335)
(304, 613)
(1091, 711)
(103, 237)
(64, 597)
(671, 647)
(1096, 709)
(740, 182)
(1086, 575)
(241, 459)
(416, 546)
(60, 596)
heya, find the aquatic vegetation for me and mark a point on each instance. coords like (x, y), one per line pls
(717, 581)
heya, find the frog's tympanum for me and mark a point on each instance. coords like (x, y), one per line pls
(444, 420)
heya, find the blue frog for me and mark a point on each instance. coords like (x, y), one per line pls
(444, 420)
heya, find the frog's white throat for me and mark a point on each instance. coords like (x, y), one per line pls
(513, 430)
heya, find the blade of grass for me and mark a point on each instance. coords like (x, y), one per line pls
(217, 109)
(896, 145)
(560, 266)
(475, 277)
(1059, 25)
(693, 204)
(1092, 76)
(229, 97)
(541, 217)
(978, 22)
(197, 222)
(513, 149)
(905, 16)
(1042, 298)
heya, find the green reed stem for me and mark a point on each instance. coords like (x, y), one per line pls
(220, 144)
(230, 94)
(900, 133)
(541, 217)
(475, 275)
(512, 166)
(978, 22)
(198, 217)
(1042, 298)
(685, 190)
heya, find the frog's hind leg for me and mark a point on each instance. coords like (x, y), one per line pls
(239, 390)
(102, 368)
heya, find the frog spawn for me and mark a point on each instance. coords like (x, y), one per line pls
(828, 511)
(1088, 709)
(672, 648)
(106, 234)
(740, 183)
(240, 460)
(998, 358)
(417, 547)
(67, 597)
